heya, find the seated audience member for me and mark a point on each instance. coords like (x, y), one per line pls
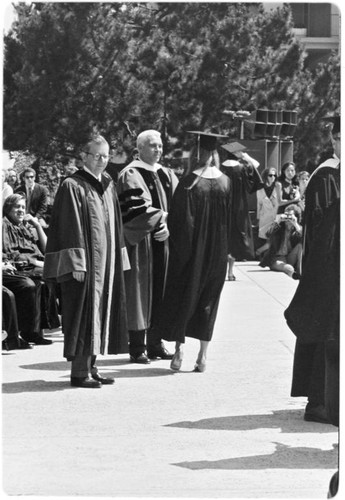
(303, 179)
(10, 323)
(6, 188)
(35, 299)
(12, 179)
(287, 187)
(36, 196)
(284, 253)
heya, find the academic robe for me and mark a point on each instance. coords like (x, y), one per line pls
(245, 179)
(145, 197)
(313, 314)
(85, 234)
(199, 225)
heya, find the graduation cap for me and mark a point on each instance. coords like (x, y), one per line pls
(206, 140)
(336, 123)
(234, 147)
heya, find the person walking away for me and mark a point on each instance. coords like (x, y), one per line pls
(199, 226)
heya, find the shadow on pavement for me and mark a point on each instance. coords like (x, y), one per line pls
(289, 421)
(34, 386)
(284, 457)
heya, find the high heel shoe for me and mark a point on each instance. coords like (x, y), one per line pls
(176, 362)
(199, 367)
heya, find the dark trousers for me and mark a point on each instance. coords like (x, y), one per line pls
(10, 319)
(82, 365)
(28, 300)
(36, 304)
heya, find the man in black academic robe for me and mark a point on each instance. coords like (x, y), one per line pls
(85, 254)
(313, 314)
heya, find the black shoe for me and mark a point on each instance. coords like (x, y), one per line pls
(86, 382)
(34, 338)
(103, 380)
(162, 353)
(41, 341)
(140, 358)
(13, 344)
(316, 414)
(23, 344)
(296, 276)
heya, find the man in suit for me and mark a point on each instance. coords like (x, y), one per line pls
(36, 196)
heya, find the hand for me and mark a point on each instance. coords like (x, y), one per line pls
(162, 234)
(79, 276)
(8, 268)
(33, 221)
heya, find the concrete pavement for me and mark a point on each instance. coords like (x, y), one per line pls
(231, 432)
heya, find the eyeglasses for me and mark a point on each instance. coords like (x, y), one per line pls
(97, 156)
(29, 176)
(271, 175)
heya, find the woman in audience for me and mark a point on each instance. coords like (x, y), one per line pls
(267, 205)
(287, 187)
(23, 245)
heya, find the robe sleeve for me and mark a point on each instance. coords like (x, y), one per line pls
(66, 249)
(321, 192)
(251, 178)
(139, 217)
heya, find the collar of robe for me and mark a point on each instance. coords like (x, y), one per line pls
(100, 186)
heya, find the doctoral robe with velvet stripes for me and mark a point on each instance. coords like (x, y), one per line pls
(85, 234)
(145, 195)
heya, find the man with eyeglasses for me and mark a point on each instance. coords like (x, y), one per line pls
(36, 196)
(85, 254)
(145, 190)
(313, 314)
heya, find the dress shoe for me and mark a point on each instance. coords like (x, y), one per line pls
(35, 339)
(176, 362)
(41, 341)
(103, 380)
(141, 359)
(23, 344)
(316, 414)
(86, 382)
(162, 353)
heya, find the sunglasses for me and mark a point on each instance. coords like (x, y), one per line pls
(29, 176)
(271, 175)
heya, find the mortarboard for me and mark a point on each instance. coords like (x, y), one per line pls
(234, 147)
(336, 123)
(206, 140)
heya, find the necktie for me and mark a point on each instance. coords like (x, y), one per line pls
(28, 200)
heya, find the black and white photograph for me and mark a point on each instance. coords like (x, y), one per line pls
(171, 257)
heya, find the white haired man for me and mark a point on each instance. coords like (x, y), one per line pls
(145, 190)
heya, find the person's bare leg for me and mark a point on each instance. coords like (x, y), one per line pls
(231, 262)
(176, 362)
(200, 365)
